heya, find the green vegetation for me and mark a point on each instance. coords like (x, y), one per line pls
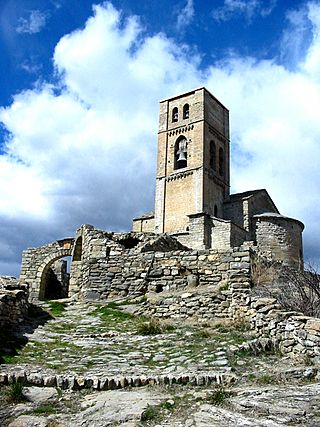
(45, 409)
(219, 396)
(8, 359)
(109, 313)
(266, 379)
(150, 413)
(10, 345)
(157, 412)
(56, 307)
(14, 393)
(151, 327)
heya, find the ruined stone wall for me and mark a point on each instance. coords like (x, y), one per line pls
(294, 333)
(183, 283)
(13, 301)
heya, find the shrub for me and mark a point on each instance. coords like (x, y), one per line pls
(219, 396)
(15, 393)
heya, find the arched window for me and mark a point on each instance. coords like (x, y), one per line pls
(175, 115)
(213, 156)
(186, 111)
(221, 162)
(180, 153)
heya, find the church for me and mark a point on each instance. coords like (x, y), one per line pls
(192, 197)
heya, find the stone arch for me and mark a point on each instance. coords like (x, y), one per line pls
(180, 153)
(37, 262)
(44, 273)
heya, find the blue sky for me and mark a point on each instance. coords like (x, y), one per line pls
(79, 89)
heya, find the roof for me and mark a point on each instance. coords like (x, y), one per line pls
(191, 92)
(145, 216)
(240, 196)
(247, 194)
(276, 215)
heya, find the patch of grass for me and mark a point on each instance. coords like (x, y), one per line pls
(219, 396)
(201, 334)
(156, 412)
(266, 379)
(106, 312)
(45, 409)
(150, 413)
(14, 393)
(8, 359)
(151, 327)
(56, 307)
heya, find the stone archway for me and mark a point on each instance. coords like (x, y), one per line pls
(54, 282)
(37, 262)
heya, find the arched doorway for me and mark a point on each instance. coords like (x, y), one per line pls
(55, 279)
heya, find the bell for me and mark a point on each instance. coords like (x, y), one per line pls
(182, 156)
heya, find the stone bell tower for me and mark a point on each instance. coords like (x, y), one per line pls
(193, 160)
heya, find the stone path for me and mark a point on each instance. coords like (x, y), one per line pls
(86, 341)
(148, 380)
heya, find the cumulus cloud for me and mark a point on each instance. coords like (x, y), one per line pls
(84, 150)
(247, 8)
(34, 23)
(186, 15)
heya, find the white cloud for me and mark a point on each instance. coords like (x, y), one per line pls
(86, 153)
(186, 15)
(34, 23)
(247, 8)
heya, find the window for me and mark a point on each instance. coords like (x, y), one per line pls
(213, 156)
(180, 153)
(221, 162)
(215, 211)
(175, 114)
(186, 111)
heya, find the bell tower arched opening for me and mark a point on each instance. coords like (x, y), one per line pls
(180, 153)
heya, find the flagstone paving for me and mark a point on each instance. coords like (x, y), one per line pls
(107, 341)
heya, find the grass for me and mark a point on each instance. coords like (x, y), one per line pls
(45, 409)
(56, 307)
(110, 313)
(219, 396)
(9, 359)
(156, 412)
(151, 327)
(150, 413)
(14, 393)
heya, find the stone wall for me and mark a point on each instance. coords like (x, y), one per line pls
(36, 263)
(183, 283)
(281, 237)
(13, 301)
(294, 333)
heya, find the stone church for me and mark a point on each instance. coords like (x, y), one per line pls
(192, 199)
(198, 233)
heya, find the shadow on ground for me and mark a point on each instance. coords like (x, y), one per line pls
(14, 337)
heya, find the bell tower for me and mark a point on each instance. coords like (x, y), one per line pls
(193, 160)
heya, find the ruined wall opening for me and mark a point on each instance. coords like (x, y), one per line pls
(129, 242)
(77, 254)
(55, 279)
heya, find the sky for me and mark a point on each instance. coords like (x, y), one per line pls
(80, 85)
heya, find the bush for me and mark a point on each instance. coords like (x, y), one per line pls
(300, 291)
